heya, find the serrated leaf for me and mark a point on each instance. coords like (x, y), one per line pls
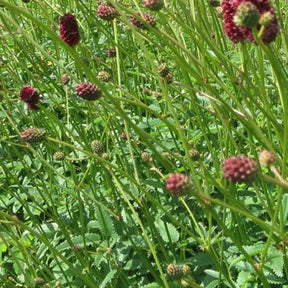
(49, 229)
(243, 277)
(167, 231)
(108, 278)
(105, 223)
(275, 261)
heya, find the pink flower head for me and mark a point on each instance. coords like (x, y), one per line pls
(239, 33)
(178, 184)
(241, 169)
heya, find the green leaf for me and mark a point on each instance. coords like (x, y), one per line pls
(108, 278)
(212, 273)
(275, 261)
(244, 277)
(167, 231)
(105, 223)
(213, 284)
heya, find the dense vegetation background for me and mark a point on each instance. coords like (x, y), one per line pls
(83, 199)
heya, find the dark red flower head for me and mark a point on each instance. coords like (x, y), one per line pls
(239, 33)
(69, 30)
(29, 95)
(88, 91)
(147, 19)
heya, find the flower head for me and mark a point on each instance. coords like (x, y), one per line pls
(240, 33)
(106, 11)
(69, 30)
(178, 184)
(241, 169)
(147, 20)
(88, 91)
(29, 95)
(33, 134)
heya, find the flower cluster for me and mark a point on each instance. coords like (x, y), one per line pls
(241, 169)
(69, 30)
(240, 16)
(30, 96)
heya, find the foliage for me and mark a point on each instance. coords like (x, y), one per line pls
(71, 217)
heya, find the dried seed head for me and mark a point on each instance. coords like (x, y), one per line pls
(59, 156)
(241, 169)
(88, 91)
(104, 76)
(266, 19)
(174, 271)
(247, 15)
(178, 184)
(163, 70)
(69, 30)
(39, 282)
(33, 135)
(186, 270)
(105, 156)
(267, 157)
(168, 79)
(194, 154)
(97, 147)
(146, 157)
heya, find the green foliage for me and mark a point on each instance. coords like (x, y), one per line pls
(107, 220)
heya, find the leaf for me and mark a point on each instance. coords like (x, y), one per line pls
(49, 229)
(167, 231)
(243, 277)
(105, 223)
(212, 273)
(108, 278)
(275, 261)
(213, 284)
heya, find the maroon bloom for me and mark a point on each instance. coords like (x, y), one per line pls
(88, 91)
(29, 95)
(240, 169)
(147, 19)
(178, 184)
(69, 30)
(240, 33)
(111, 52)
